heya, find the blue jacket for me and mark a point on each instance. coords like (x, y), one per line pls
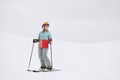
(44, 35)
(45, 38)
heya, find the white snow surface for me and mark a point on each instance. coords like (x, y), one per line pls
(77, 61)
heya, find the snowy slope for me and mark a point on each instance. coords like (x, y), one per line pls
(77, 61)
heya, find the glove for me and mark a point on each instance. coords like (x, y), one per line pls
(50, 41)
(35, 40)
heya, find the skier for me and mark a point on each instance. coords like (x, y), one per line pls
(44, 40)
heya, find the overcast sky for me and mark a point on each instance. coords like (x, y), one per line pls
(70, 20)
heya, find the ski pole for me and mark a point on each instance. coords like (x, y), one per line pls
(30, 56)
(51, 56)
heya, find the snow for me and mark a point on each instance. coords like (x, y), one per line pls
(86, 38)
(78, 61)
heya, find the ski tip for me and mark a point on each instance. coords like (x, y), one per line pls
(28, 70)
(35, 71)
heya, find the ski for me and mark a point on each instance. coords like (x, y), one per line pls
(42, 70)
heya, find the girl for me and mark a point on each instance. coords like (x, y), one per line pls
(44, 39)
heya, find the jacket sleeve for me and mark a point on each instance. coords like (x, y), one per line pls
(49, 38)
(39, 36)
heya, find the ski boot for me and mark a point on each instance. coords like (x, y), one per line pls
(49, 68)
(43, 67)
